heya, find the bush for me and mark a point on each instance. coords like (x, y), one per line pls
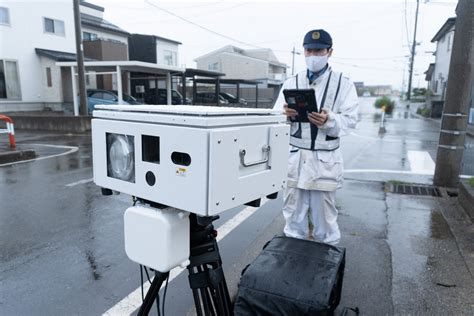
(471, 182)
(424, 112)
(388, 103)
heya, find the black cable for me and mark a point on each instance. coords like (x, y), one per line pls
(147, 275)
(141, 281)
(158, 304)
(164, 294)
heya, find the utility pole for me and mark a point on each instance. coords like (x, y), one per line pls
(458, 96)
(80, 60)
(294, 52)
(413, 48)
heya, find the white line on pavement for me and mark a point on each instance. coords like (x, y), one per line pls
(79, 182)
(381, 171)
(392, 140)
(421, 162)
(72, 149)
(463, 176)
(133, 301)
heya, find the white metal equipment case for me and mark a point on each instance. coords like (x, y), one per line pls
(200, 159)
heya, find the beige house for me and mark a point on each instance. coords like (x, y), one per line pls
(249, 64)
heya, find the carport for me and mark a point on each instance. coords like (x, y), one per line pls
(192, 73)
(120, 68)
(236, 82)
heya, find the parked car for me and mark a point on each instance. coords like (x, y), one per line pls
(158, 96)
(99, 96)
(209, 98)
(232, 98)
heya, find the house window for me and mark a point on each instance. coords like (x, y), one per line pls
(86, 36)
(170, 58)
(9, 80)
(214, 66)
(4, 16)
(49, 81)
(54, 26)
(449, 42)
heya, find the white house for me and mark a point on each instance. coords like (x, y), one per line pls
(249, 64)
(152, 49)
(439, 71)
(35, 36)
(26, 78)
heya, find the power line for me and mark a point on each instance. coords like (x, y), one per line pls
(365, 67)
(406, 25)
(195, 16)
(370, 58)
(200, 26)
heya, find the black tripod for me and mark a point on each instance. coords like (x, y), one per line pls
(206, 277)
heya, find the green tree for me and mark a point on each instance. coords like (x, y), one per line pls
(385, 102)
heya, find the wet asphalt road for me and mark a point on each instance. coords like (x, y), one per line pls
(62, 246)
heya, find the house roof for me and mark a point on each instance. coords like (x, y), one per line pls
(92, 6)
(102, 24)
(228, 81)
(126, 65)
(444, 29)
(429, 72)
(191, 72)
(57, 55)
(262, 54)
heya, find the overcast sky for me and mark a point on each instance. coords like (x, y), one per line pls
(370, 37)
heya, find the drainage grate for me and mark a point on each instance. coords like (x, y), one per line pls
(414, 189)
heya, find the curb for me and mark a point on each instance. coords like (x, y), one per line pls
(466, 198)
(17, 155)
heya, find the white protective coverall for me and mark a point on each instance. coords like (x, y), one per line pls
(314, 175)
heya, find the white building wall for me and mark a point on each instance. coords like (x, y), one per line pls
(161, 47)
(91, 11)
(203, 63)
(53, 93)
(241, 67)
(25, 33)
(443, 57)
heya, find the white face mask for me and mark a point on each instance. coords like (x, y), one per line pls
(316, 63)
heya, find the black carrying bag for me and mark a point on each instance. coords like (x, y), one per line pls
(292, 277)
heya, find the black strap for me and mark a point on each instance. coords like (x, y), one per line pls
(325, 92)
(337, 91)
(314, 128)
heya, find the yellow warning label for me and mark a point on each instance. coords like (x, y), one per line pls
(181, 171)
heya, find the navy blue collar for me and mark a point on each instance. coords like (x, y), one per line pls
(315, 75)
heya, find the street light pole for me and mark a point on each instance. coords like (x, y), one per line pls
(413, 48)
(80, 60)
(458, 97)
(294, 52)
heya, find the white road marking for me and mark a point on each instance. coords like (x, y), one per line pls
(380, 171)
(393, 140)
(133, 301)
(420, 162)
(72, 149)
(463, 176)
(79, 182)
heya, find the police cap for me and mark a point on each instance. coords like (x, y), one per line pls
(317, 39)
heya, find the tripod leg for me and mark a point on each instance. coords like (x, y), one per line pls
(152, 293)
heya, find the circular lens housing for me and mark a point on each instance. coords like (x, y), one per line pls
(121, 164)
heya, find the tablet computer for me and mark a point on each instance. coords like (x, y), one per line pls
(303, 101)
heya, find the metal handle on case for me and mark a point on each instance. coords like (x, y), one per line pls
(266, 155)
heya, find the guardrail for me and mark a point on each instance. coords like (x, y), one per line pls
(10, 130)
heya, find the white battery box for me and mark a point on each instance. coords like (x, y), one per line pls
(157, 238)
